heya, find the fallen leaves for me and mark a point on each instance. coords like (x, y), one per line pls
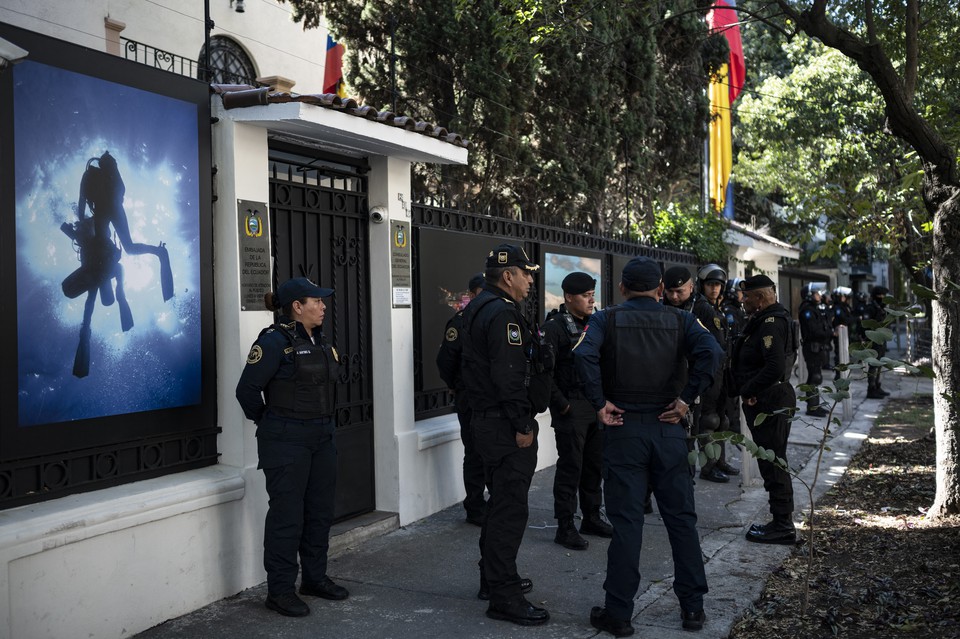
(882, 568)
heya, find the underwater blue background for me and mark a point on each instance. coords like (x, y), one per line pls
(62, 119)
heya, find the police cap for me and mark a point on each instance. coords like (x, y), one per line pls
(475, 282)
(755, 282)
(577, 283)
(641, 274)
(510, 255)
(676, 276)
(297, 289)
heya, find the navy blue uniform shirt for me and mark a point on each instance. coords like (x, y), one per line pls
(703, 353)
(271, 356)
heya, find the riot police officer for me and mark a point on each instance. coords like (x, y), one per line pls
(503, 376)
(713, 403)
(448, 363)
(760, 373)
(633, 361)
(288, 389)
(817, 333)
(842, 315)
(732, 309)
(579, 452)
(707, 415)
(876, 310)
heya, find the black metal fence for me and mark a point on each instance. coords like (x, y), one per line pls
(467, 233)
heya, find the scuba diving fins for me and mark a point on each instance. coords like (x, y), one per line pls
(166, 275)
(81, 362)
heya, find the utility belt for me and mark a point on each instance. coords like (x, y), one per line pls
(321, 418)
(493, 413)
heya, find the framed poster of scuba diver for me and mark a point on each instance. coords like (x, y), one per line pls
(106, 261)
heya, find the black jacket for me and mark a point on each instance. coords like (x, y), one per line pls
(760, 354)
(561, 331)
(496, 346)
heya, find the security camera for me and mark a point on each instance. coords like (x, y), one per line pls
(378, 214)
(10, 54)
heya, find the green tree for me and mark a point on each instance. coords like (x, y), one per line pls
(919, 110)
(585, 129)
(919, 97)
(813, 139)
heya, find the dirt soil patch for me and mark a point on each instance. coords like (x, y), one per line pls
(881, 568)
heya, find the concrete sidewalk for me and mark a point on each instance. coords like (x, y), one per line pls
(421, 581)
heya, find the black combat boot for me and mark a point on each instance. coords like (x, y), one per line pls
(779, 531)
(568, 537)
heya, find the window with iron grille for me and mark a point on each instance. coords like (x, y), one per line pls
(229, 63)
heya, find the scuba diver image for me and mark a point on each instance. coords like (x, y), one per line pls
(98, 250)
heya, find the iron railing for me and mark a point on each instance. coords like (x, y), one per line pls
(167, 61)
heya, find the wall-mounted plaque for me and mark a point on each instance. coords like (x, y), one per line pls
(401, 281)
(254, 254)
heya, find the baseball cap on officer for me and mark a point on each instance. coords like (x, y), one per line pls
(475, 282)
(578, 283)
(676, 276)
(756, 282)
(510, 255)
(641, 274)
(297, 289)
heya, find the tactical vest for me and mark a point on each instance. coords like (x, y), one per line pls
(310, 392)
(642, 359)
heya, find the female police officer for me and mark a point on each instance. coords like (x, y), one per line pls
(291, 366)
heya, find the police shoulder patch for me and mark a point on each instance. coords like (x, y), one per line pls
(770, 320)
(767, 341)
(451, 334)
(256, 354)
(513, 335)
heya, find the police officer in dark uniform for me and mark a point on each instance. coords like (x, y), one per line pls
(876, 310)
(579, 451)
(448, 363)
(288, 389)
(642, 364)
(732, 309)
(761, 373)
(842, 315)
(708, 412)
(499, 375)
(817, 333)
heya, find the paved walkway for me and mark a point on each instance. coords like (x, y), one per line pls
(421, 581)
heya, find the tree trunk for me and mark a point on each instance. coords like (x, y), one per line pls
(941, 196)
(946, 351)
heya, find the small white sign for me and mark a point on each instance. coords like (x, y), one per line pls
(402, 296)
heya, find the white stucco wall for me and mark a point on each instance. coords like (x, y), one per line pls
(113, 562)
(276, 44)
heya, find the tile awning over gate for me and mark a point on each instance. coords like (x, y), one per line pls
(236, 96)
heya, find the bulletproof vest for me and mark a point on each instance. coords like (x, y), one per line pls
(310, 392)
(642, 359)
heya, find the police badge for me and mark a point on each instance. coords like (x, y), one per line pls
(513, 335)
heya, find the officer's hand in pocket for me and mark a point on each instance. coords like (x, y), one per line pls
(524, 441)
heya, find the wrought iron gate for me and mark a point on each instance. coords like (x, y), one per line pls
(318, 225)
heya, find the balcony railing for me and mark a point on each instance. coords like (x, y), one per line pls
(166, 61)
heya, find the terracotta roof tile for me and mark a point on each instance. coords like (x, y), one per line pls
(238, 96)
